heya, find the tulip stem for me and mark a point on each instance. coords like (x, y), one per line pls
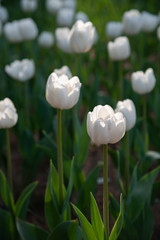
(105, 191)
(127, 162)
(60, 160)
(145, 133)
(9, 163)
(120, 75)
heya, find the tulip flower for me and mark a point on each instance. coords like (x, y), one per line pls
(65, 16)
(82, 36)
(149, 21)
(29, 6)
(81, 16)
(28, 29)
(105, 126)
(132, 22)
(46, 39)
(63, 71)
(69, 4)
(53, 6)
(3, 14)
(12, 32)
(113, 29)
(8, 118)
(62, 36)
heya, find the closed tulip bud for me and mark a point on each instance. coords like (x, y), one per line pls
(132, 22)
(143, 83)
(46, 39)
(61, 92)
(81, 16)
(3, 14)
(62, 36)
(113, 29)
(158, 32)
(69, 4)
(53, 6)
(105, 126)
(63, 71)
(28, 29)
(8, 114)
(12, 32)
(82, 36)
(28, 5)
(21, 70)
(128, 109)
(149, 21)
(119, 49)
(65, 17)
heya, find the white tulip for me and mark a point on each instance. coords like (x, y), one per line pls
(63, 71)
(143, 83)
(64, 17)
(113, 29)
(28, 28)
(53, 6)
(119, 49)
(82, 36)
(12, 32)
(62, 36)
(69, 4)
(132, 22)
(61, 92)
(81, 16)
(8, 114)
(149, 21)
(46, 39)
(128, 109)
(158, 32)
(105, 126)
(29, 5)
(21, 70)
(3, 14)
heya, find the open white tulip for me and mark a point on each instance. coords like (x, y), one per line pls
(12, 32)
(3, 14)
(128, 109)
(64, 17)
(28, 29)
(8, 114)
(132, 22)
(62, 36)
(113, 29)
(21, 70)
(149, 21)
(46, 39)
(61, 92)
(63, 71)
(119, 49)
(29, 5)
(105, 126)
(143, 83)
(82, 36)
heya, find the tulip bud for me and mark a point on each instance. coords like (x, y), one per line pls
(61, 92)
(46, 39)
(143, 83)
(28, 29)
(132, 22)
(105, 126)
(113, 29)
(28, 6)
(21, 70)
(81, 16)
(12, 32)
(63, 71)
(53, 6)
(8, 114)
(3, 14)
(82, 36)
(65, 17)
(63, 39)
(119, 49)
(127, 107)
(149, 21)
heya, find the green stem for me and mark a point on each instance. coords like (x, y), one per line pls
(60, 160)
(145, 133)
(120, 76)
(9, 163)
(26, 104)
(127, 162)
(105, 191)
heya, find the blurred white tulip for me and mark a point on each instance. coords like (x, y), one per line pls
(81, 16)
(69, 4)
(62, 92)
(46, 39)
(64, 17)
(62, 36)
(149, 21)
(53, 6)
(105, 126)
(29, 5)
(28, 29)
(113, 29)
(12, 32)
(132, 22)
(3, 14)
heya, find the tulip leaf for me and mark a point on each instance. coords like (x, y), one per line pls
(30, 231)
(66, 230)
(23, 201)
(87, 229)
(96, 220)
(5, 193)
(119, 222)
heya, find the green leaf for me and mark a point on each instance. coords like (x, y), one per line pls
(23, 201)
(29, 231)
(5, 193)
(65, 230)
(119, 174)
(119, 223)
(96, 220)
(87, 229)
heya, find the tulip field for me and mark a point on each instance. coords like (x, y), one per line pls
(79, 120)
